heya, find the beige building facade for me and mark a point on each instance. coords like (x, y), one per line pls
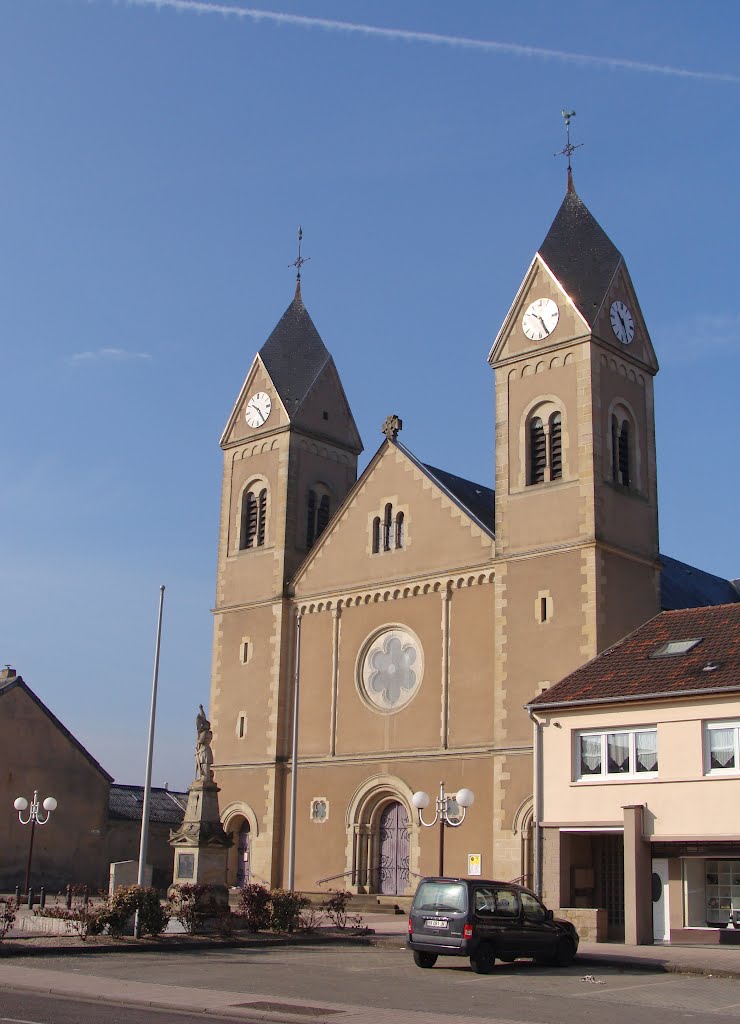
(640, 777)
(417, 614)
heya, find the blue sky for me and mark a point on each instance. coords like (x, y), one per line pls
(155, 163)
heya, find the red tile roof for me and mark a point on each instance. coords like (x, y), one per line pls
(629, 671)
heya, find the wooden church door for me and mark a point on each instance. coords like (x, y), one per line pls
(393, 847)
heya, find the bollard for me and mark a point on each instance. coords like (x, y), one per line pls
(42, 897)
(17, 896)
(30, 898)
(69, 897)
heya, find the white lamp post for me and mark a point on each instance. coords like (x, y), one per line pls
(34, 818)
(444, 813)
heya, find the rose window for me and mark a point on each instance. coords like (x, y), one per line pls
(391, 669)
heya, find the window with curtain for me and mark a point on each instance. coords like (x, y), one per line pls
(721, 746)
(611, 754)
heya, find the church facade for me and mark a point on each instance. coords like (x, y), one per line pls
(417, 613)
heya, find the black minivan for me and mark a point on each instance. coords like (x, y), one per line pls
(484, 920)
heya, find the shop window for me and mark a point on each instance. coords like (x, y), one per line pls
(615, 754)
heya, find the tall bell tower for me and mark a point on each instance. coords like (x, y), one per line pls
(576, 489)
(290, 456)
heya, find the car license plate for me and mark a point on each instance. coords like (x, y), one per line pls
(437, 922)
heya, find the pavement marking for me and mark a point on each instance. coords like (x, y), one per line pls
(17, 1020)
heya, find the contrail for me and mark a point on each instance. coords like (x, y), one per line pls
(464, 42)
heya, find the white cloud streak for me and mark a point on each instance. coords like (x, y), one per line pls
(700, 336)
(106, 355)
(257, 15)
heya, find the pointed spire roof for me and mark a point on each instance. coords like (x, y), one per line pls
(580, 254)
(294, 354)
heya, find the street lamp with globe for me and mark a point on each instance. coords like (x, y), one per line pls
(446, 813)
(34, 818)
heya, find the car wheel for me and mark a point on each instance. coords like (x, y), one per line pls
(565, 953)
(483, 960)
(424, 959)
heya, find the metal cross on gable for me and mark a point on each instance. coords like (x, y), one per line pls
(300, 260)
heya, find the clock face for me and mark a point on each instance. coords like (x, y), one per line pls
(258, 409)
(622, 323)
(540, 319)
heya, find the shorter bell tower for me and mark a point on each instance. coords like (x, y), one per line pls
(290, 456)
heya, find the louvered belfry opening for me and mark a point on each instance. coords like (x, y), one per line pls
(537, 451)
(556, 446)
(615, 450)
(624, 454)
(248, 531)
(262, 517)
(311, 519)
(322, 516)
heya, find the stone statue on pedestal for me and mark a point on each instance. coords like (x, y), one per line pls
(200, 843)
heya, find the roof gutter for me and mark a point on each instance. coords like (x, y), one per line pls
(630, 698)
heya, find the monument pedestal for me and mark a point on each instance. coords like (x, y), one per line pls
(200, 843)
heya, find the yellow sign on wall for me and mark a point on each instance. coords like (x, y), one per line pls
(474, 863)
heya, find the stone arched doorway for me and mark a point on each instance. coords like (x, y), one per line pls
(241, 825)
(242, 843)
(383, 852)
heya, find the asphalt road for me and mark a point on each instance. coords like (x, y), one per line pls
(368, 984)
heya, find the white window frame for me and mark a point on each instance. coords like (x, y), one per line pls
(732, 723)
(612, 777)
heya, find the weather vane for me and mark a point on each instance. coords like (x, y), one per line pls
(298, 263)
(569, 148)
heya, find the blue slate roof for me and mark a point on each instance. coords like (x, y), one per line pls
(294, 354)
(125, 803)
(477, 498)
(685, 586)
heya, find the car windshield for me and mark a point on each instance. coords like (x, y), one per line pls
(448, 896)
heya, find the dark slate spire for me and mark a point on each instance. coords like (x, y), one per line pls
(580, 255)
(294, 354)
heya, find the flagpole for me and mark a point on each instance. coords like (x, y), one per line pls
(149, 758)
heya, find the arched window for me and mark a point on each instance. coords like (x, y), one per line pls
(387, 526)
(400, 537)
(318, 513)
(537, 451)
(556, 446)
(615, 449)
(376, 535)
(253, 520)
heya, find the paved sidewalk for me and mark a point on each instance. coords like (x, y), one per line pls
(390, 932)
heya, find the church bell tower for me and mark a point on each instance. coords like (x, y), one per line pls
(290, 456)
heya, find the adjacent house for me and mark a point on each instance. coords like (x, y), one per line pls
(96, 821)
(638, 783)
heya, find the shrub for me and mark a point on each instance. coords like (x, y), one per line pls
(191, 905)
(310, 918)
(126, 900)
(286, 908)
(7, 916)
(254, 907)
(83, 917)
(336, 906)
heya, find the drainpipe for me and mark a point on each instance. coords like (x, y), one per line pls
(294, 761)
(537, 810)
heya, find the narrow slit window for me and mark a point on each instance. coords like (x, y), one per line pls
(245, 652)
(376, 535)
(400, 530)
(242, 726)
(387, 527)
(543, 609)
